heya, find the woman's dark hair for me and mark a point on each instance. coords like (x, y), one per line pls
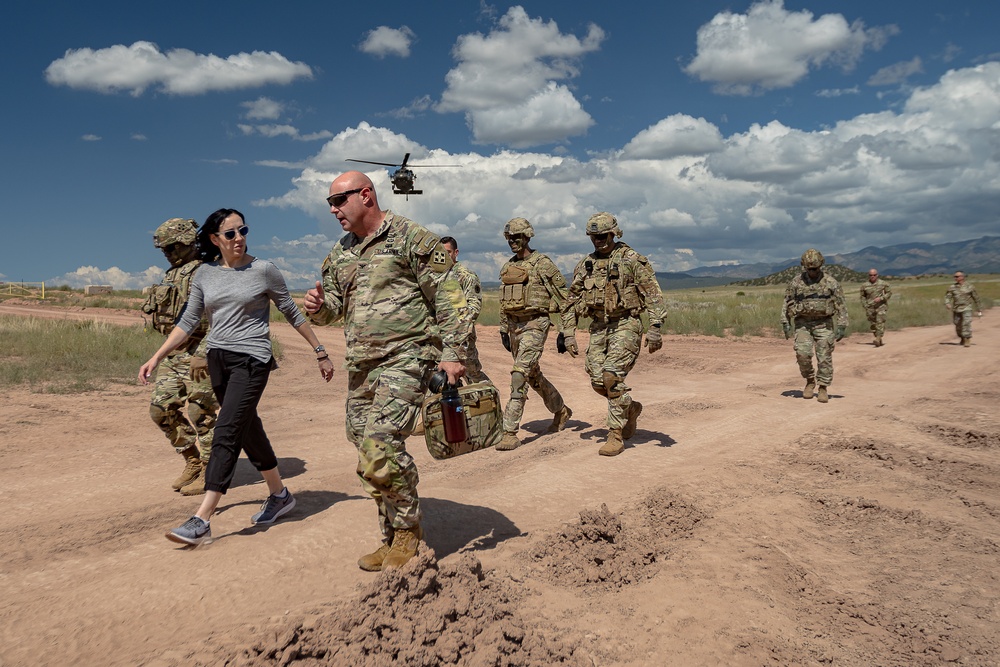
(209, 251)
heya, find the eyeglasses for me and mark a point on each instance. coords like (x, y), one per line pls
(340, 198)
(230, 234)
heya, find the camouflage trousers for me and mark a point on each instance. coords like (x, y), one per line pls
(174, 389)
(473, 368)
(876, 319)
(527, 340)
(613, 350)
(383, 403)
(963, 323)
(815, 336)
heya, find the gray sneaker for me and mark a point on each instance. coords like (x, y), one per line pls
(192, 531)
(272, 508)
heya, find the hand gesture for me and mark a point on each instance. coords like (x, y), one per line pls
(654, 339)
(315, 298)
(199, 369)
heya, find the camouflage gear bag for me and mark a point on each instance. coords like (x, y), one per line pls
(165, 301)
(483, 418)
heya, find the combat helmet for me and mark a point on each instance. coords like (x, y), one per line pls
(812, 259)
(602, 223)
(518, 226)
(183, 231)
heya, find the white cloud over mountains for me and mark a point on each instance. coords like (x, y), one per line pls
(770, 47)
(142, 65)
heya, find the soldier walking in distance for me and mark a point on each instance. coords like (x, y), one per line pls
(814, 309)
(531, 288)
(390, 281)
(613, 286)
(473, 290)
(182, 379)
(961, 299)
(875, 295)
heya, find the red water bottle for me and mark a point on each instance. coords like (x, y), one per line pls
(453, 415)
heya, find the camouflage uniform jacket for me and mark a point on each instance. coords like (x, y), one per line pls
(873, 290)
(619, 285)
(396, 294)
(166, 301)
(961, 298)
(472, 289)
(808, 300)
(530, 287)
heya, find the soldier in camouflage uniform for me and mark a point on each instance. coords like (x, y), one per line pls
(182, 378)
(473, 290)
(815, 310)
(531, 288)
(390, 281)
(960, 299)
(875, 295)
(613, 286)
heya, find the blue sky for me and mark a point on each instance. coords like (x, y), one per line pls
(716, 132)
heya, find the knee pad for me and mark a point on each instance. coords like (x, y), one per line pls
(159, 416)
(518, 384)
(599, 388)
(612, 384)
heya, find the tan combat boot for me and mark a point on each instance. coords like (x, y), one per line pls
(559, 420)
(614, 446)
(373, 562)
(404, 547)
(192, 468)
(966, 342)
(878, 341)
(508, 442)
(822, 396)
(808, 391)
(631, 420)
(418, 429)
(196, 487)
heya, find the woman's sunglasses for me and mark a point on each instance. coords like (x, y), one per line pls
(230, 234)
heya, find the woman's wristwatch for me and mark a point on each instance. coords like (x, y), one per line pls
(321, 357)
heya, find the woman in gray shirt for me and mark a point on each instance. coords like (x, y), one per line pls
(235, 290)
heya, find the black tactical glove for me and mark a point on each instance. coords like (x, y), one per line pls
(505, 340)
(787, 327)
(561, 343)
(840, 332)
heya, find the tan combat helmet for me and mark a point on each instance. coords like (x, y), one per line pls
(602, 223)
(518, 226)
(183, 231)
(812, 259)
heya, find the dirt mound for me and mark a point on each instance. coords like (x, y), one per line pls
(616, 550)
(426, 613)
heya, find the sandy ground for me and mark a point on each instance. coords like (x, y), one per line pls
(743, 525)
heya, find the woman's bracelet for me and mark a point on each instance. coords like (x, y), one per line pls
(325, 356)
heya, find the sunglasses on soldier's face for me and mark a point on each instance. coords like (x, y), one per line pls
(340, 198)
(230, 234)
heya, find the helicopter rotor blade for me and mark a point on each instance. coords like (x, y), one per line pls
(405, 158)
(384, 164)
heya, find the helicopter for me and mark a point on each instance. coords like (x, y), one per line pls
(403, 178)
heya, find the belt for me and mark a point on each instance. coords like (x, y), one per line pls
(520, 317)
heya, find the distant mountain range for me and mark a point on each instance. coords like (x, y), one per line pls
(908, 259)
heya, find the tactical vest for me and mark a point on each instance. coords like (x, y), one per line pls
(608, 291)
(522, 290)
(165, 302)
(814, 302)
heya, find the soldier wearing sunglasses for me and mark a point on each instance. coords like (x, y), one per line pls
(390, 281)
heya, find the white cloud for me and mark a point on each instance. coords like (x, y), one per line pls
(414, 108)
(507, 82)
(91, 137)
(385, 41)
(838, 92)
(118, 279)
(289, 131)
(178, 71)
(138, 136)
(263, 108)
(673, 136)
(896, 73)
(770, 47)
(763, 194)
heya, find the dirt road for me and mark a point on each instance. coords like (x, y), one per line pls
(743, 525)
